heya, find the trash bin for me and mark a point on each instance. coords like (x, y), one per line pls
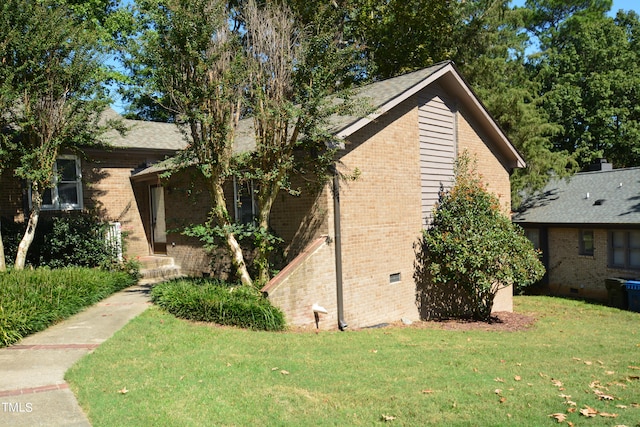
(617, 292)
(633, 291)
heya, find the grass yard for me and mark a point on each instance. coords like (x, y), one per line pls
(163, 371)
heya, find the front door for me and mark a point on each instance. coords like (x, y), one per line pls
(158, 224)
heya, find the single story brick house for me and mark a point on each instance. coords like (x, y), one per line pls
(588, 229)
(350, 251)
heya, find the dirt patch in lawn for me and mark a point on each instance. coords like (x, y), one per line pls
(500, 321)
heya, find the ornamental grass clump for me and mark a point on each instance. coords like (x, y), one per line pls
(209, 300)
(470, 251)
(32, 300)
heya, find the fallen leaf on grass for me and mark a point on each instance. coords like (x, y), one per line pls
(607, 415)
(609, 372)
(571, 410)
(283, 372)
(123, 390)
(427, 391)
(373, 351)
(621, 406)
(556, 383)
(560, 417)
(497, 391)
(274, 369)
(386, 418)
(498, 380)
(586, 362)
(588, 412)
(634, 367)
(503, 399)
(517, 378)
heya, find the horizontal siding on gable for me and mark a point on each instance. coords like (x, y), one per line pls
(437, 127)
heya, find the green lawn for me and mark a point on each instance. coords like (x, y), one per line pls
(163, 371)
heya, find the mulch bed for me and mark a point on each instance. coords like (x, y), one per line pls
(500, 321)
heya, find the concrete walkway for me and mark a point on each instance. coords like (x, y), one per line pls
(32, 387)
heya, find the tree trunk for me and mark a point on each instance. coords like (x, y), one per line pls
(222, 216)
(265, 203)
(27, 239)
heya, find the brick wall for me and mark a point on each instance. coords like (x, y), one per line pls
(380, 222)
(308, 280)
(381, 218)
(578, 275)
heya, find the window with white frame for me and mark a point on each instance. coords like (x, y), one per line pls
(624, 249)
(66, 193)
(245, 206)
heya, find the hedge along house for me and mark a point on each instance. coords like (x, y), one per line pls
(349, 246)
(588, 229)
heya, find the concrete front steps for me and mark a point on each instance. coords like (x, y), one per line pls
(158, 267)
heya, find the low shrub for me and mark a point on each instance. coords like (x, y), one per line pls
(209, 300)
(76, 239)
(32, 300)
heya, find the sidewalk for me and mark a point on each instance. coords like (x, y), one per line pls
(32, 387)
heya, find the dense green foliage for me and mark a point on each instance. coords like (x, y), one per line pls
(52, 89)
(471, 247)
(213, 301)
(32, 300)
(77, 240)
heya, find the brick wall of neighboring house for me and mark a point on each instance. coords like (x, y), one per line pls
(494, 174)
(578, 275)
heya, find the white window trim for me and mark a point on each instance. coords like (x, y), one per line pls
(56, 205)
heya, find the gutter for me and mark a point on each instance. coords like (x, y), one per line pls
(338, 249)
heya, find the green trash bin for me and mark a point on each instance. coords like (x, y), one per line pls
(617, 292)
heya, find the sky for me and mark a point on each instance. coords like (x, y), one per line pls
(625, 5)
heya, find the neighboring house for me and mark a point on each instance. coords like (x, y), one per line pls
(350, 251)
(588, 229)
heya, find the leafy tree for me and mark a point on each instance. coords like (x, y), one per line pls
(53, 78)
(292, 72)
(188, 55)
(591, 87)
(245, 60)
(473, 247)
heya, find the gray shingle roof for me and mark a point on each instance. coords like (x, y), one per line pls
(613, 198)
(380, 97)
(144, 135)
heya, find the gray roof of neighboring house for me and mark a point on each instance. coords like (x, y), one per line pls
(602, 197)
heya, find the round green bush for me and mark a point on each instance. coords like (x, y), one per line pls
(214, 301)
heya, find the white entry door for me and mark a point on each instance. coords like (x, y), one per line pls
(158, 224)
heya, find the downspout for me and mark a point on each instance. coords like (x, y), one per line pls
(338, 247)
